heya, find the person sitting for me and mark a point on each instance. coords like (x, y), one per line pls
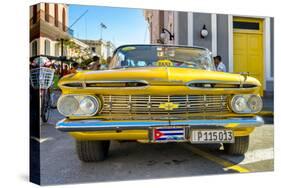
(74, 67)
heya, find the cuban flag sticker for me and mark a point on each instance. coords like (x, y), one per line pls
(169, 134)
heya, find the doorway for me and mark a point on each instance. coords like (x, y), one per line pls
(248, 47)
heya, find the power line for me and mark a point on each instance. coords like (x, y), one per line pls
(77, 19)
(86, 27)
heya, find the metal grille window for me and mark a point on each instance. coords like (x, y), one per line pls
(246, 25)
(47, 12)
(57, 49)
(34, 48)
(63, 20)
(56, 16)
(47, 47)
(34, 17)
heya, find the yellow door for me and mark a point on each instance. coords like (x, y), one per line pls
(248, 47)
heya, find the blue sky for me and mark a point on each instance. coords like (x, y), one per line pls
(124, 25)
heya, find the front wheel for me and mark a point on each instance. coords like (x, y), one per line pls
(240, 146)
(92, 151)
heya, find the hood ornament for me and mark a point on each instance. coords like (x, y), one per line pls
(245, 76)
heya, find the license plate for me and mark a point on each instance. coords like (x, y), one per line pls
(168, 134)
(212, 136)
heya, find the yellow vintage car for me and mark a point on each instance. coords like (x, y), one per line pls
(159, 94)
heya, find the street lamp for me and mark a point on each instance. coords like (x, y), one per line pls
(163, 34)
(204, 32)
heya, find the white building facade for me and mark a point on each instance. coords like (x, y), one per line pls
(102, 48)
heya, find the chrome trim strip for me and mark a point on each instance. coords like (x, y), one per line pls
(211, 82)
(116, 81)
(242, 122)
(96, 125)
(105, 81)
(73, 82)
(216, 82)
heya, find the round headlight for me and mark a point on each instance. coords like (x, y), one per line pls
(239, 104)
(89, 105)
(68, 105)
(255, 103)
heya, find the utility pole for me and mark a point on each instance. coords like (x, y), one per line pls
(61, 67)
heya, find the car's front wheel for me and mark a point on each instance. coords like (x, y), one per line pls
(240, 146)
(91, 151)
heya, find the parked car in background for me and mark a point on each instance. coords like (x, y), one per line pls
(159, 94)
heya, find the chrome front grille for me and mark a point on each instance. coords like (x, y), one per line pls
(180, 104)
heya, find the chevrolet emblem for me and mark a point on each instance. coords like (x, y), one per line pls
(168, 106)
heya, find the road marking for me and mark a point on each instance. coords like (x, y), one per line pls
(41, 140)
(228, 165)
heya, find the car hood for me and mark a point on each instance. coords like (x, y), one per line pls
(159, 75)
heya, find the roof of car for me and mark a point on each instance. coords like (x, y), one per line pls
(166, 45)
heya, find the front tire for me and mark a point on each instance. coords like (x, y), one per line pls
(92, 151)
(240, 146)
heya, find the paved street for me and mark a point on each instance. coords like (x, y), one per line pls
(131, 160)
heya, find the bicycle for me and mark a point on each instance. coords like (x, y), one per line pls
(42, 78)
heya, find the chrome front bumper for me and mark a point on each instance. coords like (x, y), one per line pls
(67, 125)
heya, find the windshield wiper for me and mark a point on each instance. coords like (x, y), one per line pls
(121, 67)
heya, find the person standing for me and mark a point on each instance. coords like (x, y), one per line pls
(65, 70)
(219, 64)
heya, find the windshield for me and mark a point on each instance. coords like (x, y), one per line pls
(162, 56)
